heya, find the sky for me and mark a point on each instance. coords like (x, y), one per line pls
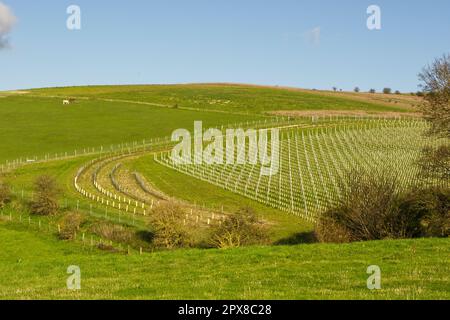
(310, 44)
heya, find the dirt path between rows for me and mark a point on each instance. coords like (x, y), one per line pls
(325, 113)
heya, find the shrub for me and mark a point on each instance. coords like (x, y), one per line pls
(435, 162)
(397, 92)
(368, 202)
(113, 232)
(122, 234)
(356, 89)
(45, 201)
(387, 90)
(5, 194)
(18, 206)
(106, 247)
(169, 230)
(331, 229)
(239, 229)
(70, 224)
(373, 209)
(432, 207)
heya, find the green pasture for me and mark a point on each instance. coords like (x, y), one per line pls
(220, 97)
(34, 266)
(32, 126)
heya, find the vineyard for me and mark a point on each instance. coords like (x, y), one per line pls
(314, 162)
(316, 155)
(110, 156)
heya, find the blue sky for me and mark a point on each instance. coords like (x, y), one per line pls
(245, 41)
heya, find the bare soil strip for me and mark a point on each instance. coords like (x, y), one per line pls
(325, 113)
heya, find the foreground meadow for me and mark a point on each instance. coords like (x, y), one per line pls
(34, 267)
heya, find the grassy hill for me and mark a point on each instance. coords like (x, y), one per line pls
(34, 267)
(44, 125)
(232, 97)
(33, 262)
(104, 115)
(284, 227)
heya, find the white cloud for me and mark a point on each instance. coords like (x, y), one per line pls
(7, 21)
(313, 36)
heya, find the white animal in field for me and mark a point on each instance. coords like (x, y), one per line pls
(66, 102)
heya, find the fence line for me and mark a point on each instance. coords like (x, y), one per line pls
(150, 144)
(139, 207)
(341, 143)
(87, 240)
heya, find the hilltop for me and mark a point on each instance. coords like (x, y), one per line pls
(104, 115)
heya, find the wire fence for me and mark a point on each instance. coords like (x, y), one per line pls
(195, 215)
(100, 208)
(312, 162)
(88, 241)
(53, 225)
(151, 144)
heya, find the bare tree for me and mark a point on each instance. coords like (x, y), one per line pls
(46, 200)
(435, 84)
(435, 162)
(168, 227)
(239, 229)
(375, 206)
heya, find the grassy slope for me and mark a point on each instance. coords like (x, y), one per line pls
(34, 266)
(241, 98)
(63, 170)
(43, 125)
(22, 180)
(283, 226)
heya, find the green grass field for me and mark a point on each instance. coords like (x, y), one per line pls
(106, 115)
(284, 227)
(221, 97)
(34, 267)
(33, 261)
(44, 125)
